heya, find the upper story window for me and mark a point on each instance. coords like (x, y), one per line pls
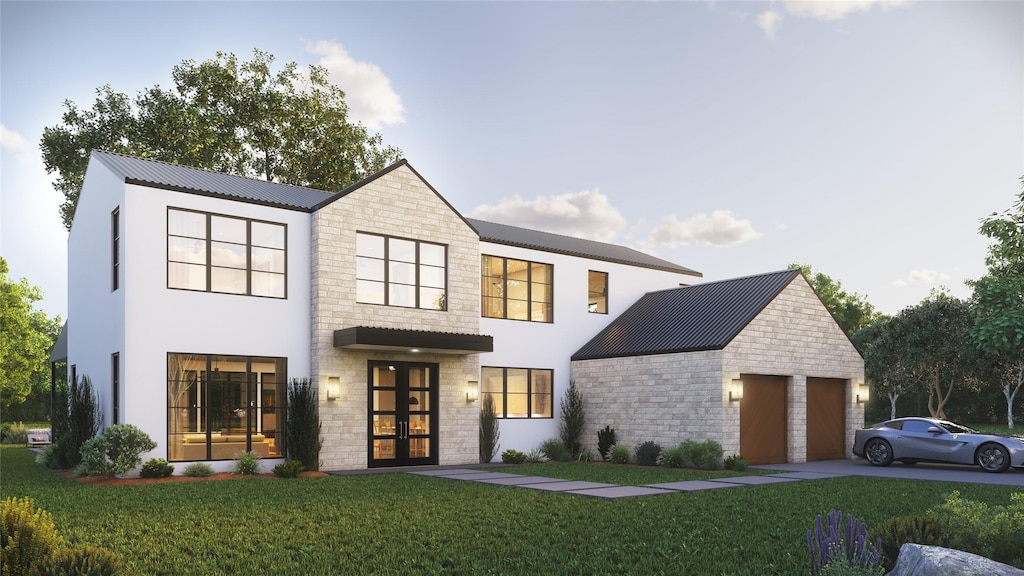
(597, 292)
(399, 272)
(115, 249)
(215, 253)
(516, 289)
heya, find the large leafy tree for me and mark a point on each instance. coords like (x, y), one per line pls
(28, 337)
(998, 300)
(243, 118)
(883, 366)
(852, 311)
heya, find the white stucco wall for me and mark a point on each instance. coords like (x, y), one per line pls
(521, 344)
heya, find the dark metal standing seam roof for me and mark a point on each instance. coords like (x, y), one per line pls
(561, 244)
(690, 319)
(205, 182)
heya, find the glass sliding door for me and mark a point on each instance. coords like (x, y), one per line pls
(402, 413)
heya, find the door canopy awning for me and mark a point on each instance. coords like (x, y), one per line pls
(412, 341)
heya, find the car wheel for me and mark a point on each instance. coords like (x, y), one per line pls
(878, 452)
(993, 458)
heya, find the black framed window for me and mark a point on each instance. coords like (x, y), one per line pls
(516, 289)
(597, 292)
(115, 386)
(216, 253)
(218, 406)
(401, 272)
(519, 392)
(115, 249)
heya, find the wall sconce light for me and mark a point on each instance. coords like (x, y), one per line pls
(736, 390)
(863, 393)
(472, 391)
(333, 388)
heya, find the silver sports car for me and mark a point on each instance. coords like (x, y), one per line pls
(912, 440)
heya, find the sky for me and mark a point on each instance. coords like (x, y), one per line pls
(864, 138)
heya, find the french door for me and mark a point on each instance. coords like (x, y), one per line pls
(402, 413)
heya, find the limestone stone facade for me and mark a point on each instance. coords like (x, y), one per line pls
(398, 203)
(669, 398)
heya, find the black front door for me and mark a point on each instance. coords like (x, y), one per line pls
(402, 413)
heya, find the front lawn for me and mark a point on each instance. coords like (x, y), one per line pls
(405, 524)
(621, 474)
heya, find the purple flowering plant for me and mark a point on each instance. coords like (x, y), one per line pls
(846, 542)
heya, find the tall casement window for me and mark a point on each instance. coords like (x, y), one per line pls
(218, 406)
(214, 253)
(399, 272)
(115, 387)
(518, 392)
(115, 249)
(597, 292)
(516, 289)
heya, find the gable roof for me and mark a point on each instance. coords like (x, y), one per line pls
(561, 244)
(179, 178)
(690, 319)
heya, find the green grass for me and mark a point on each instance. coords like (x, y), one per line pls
(621, 474)
(404, 524)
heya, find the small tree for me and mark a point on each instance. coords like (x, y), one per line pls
(76, 420)
(574, 418)
(302, 424)
(489, 432)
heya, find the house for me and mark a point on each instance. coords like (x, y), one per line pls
(195, 296)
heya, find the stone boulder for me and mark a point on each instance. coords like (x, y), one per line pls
(918, 560)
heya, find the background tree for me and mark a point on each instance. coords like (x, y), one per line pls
(242, 118)
(28, 337)
(998, 300)
(883, 366)
(852, 312)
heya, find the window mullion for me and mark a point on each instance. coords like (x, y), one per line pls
(209, 253)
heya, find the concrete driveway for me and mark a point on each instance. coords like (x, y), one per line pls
(921, 471)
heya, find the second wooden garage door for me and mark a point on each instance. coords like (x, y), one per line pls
(826, 419)
(763, 419)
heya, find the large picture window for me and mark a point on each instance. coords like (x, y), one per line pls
(518, 392)
(214, 253)
(399, 272)
(218, 406)
(516, 289)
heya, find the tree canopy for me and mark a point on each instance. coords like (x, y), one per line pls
(852, 312)
(289, 126)
(28, 337)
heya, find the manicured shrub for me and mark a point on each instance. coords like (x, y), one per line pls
(555, 450)
(511, 456)
(117, 451)
(84, 561)
(14, 433)
(574, 418)
(198, 470)
(605, 441)
(302, 424)
(836, 546)
(705, 455)
(647, 453)
(489, 432)
(156, 468)
(736, 462)
(247, 463)
(93, 458)
(895, 532)
(289, 469)
(673, 458)
(28, 536)
(619, 454)
(993, 532)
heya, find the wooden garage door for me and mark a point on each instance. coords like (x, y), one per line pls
(826, 419)
(763, 419)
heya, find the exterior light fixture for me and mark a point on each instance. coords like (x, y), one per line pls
(472, 391)
(736, 390)
(863, 393)
(333, 388)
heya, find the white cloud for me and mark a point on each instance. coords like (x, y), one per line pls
(920, 276)
(720, 228)
(768, 21)
(368, 92)
(587, 214)
(14, 142)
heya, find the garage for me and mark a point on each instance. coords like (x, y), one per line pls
(763, 419)
(826, 419)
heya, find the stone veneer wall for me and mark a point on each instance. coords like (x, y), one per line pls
(399, 204)
(795, 336)
(669, 398)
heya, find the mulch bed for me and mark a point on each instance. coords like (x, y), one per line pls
(111, 481)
